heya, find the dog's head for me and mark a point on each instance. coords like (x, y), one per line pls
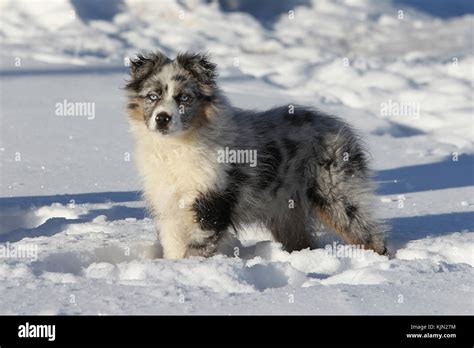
(171, 96)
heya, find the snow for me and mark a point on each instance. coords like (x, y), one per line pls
(75, 235)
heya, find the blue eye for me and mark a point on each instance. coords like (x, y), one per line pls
(184, 98)
(152, 97)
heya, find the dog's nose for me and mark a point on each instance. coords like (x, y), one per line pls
(162, 120)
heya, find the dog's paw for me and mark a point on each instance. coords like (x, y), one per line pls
(203, 243)
(204, 250)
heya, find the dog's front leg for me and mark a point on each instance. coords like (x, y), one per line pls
(172, 237)
(202, 243)
(180, 240)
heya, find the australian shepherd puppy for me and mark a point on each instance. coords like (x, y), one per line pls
(308, 166)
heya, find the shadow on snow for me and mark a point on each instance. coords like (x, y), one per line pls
(426, 177)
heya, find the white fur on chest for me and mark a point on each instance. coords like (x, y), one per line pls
(174, 172)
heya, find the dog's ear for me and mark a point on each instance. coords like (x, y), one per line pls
(201, 68)
(142, 66)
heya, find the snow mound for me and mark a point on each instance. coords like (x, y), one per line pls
(454, 248)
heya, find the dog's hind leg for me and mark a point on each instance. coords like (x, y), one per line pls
(347, 215)
(291, 228)
(353, 226)
(341, 196)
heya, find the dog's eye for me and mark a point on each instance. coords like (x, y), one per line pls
(184, 98)
(152, 97)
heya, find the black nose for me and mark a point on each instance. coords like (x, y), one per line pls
(162, 120)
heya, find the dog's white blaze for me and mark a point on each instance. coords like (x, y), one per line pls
(167, 104)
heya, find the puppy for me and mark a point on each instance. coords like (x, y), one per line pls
(194, 153)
